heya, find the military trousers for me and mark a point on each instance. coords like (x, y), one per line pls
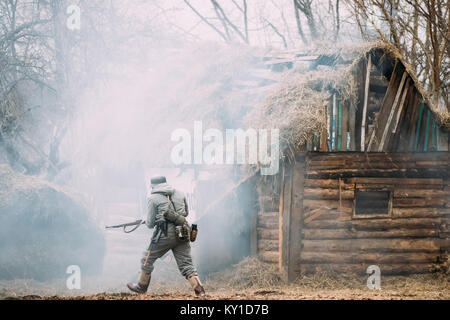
(181, 251)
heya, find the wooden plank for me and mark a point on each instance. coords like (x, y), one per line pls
(267, 245)
(433, 142)
(442, 140)
(323, 135)
(397, 181)
(386, 129)
(339, 126)
(329, 234)
(326, 184)
(328, 194)
(360, 269)
(295, 225)
(377, 258)
(377, 224)
(269, 256)
(418, 127)
(333, 124)
(326, 204)
(285, 219)
(351, 124)
(402, 213)
(418, 202)
(358, 156)
(388, 100)
(412, 115)
(401, 106)
(366, 101)
(402, 139)
(390, 172)
(420, 193)
(373, 245)
(427, 131)
(329, 124)
(267, 234)
(344, 144)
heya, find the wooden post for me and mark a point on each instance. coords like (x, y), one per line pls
(344, 134)
(366, 101)
(323, 135)
(284, 222)
(334, 124)
(295, 226)
(291, 220)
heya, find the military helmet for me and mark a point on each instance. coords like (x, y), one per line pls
(158, 180)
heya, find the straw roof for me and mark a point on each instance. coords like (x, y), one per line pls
(295, 105)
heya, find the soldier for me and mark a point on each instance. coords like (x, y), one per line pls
(167, 209)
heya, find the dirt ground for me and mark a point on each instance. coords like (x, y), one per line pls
(251, 280)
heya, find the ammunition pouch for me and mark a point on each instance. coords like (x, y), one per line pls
(183, 232)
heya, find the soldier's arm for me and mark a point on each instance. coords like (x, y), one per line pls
(151, 216)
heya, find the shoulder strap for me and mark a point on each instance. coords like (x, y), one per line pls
(169, 198)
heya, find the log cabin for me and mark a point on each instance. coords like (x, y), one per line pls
(365, 169)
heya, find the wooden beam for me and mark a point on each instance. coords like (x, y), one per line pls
(391, 114)
(295, 225)
(284, 224)
(431, 245)
(360, 269)
(388, 100)
(366, 100)
(400, 107)
(334, 124)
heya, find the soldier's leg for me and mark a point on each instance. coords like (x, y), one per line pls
(157, 250)
(182, 254)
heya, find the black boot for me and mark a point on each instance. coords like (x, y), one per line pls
(196, 285)
(142, 285)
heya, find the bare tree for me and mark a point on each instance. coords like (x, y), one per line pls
(228, 29)
(420, 30)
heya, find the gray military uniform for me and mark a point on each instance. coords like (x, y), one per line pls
(161, 243)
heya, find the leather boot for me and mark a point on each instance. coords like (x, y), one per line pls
(142, 285)
(196, 285)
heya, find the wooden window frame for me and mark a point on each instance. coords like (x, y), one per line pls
(378, 215)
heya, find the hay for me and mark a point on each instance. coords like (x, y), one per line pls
(249, 273)
(44, 229)
(296, 105)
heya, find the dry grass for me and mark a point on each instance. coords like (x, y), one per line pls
(253, 279)
(249, 273)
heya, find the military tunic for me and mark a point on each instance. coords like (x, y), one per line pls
(161, 243)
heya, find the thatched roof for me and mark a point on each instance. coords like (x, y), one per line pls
(295, 104)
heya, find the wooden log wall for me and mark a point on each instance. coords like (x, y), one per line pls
(267, 220)
(413, 238)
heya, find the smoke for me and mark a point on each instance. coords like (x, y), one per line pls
(120, 135)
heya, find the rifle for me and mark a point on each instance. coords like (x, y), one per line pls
(136, 223)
